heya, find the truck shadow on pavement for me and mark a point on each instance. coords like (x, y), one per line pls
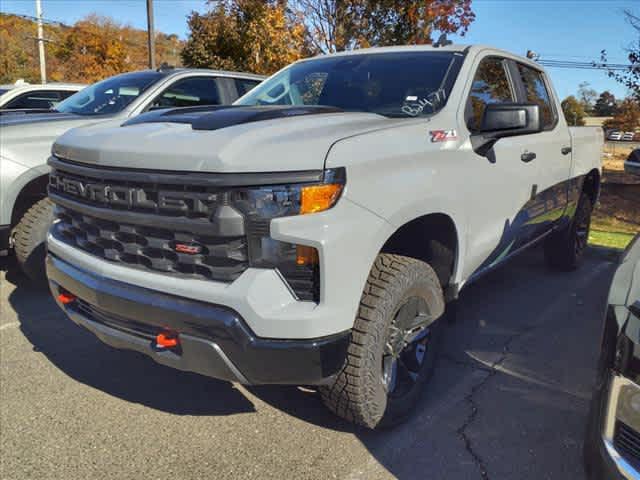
(523, 347)
(124, 374)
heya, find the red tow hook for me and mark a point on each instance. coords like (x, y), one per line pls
(167, 339)
(66, 298)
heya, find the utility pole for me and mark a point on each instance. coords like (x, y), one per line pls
(43, 64)
(151, 36)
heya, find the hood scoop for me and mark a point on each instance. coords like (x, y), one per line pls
(217, 117)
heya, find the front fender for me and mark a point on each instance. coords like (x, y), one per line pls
(14, 177)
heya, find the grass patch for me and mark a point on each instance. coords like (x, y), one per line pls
(617, 240)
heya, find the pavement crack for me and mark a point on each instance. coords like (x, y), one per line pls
(492, 371)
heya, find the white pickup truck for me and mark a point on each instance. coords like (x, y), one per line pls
(314, 232)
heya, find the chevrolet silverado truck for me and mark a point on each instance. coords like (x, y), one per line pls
(313, 232)
(26, 140)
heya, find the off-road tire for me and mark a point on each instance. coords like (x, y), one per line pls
(562, 250)
(358, 394)
(30, 235)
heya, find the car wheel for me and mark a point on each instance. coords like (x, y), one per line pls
(393, 344)
(565, 249)
(30, 235)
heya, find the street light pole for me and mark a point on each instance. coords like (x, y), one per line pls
(43, 65)
(151, 36)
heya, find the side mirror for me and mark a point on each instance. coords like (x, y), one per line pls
(505, 120)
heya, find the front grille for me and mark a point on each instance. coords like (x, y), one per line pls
(627, 442)
(152, 248)
(145, 224)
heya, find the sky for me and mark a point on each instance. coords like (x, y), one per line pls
(555, 29)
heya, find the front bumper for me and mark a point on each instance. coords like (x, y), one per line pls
(613, 432)
(214, 340)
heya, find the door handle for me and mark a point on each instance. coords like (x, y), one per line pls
(565, 150)
(526, 157)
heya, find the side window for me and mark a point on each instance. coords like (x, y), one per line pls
(490, 85)
(244, 85)
(536, 92)
(35, 100)
(190, 92)
(64, 94)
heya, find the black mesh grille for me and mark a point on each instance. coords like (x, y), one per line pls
(627, 442)
(220, 258)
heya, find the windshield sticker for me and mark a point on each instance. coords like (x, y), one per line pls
(416, 107)
(443, 135)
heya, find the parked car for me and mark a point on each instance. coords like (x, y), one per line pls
(26, 142)
(615, 135)
(23, 97)
(632, 163)
(613, 434)
(627, 136)
(312, 233)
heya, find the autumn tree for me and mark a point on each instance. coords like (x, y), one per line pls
(573, 111)
(90, 50)
(259, 36)
(605, 105)
(627, 117)
(336, 25)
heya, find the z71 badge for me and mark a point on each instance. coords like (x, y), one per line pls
(443, 135)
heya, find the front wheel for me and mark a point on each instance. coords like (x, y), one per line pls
(564, 250)
(393, 344)
(30, 236)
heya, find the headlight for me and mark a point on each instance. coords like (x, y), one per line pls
(298, 264)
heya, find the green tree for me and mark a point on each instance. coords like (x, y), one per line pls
(573, 111)
(605, 105)
(259, 36)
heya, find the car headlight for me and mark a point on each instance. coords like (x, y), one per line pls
(298, 264)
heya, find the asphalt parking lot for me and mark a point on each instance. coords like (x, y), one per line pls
(508, 401)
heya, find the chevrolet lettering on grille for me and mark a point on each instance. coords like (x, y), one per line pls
(134, 197)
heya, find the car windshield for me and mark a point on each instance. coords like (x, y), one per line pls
(109, 96)
(3, 91)
(394, 84)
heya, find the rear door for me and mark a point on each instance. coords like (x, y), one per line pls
(548, 151)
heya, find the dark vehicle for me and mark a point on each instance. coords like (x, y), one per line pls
(612, 445)
(632, 164)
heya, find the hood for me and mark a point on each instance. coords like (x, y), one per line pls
(27, 139)
(20, 117)
(625, 286)
(250, 139)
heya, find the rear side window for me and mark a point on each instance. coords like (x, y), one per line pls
(535, 90)
(43, 99)
(244, 85)
(490, 85)
(190, 92)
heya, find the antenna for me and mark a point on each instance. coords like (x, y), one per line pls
(442, 41)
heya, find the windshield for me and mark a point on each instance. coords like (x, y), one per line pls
(109, 96)
(395, 84)
(3, 91)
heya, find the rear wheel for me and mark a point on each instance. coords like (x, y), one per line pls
(30, 235)
(393, 346)
(565, 249)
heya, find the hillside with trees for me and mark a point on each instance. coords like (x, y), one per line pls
(89, 50)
